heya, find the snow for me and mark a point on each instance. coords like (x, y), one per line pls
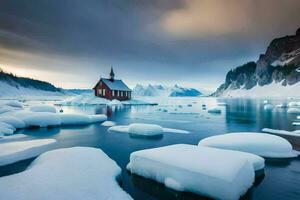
(294, 104)
(159, 90)
(80, 119)
(293, 110)
(15, 122)
(145, 129)
(282, 132)
(271, 90)
(108, 123)
(16, 104)
(215, 110)
(40, 119)
(261, 144)
(43, 108)
(115, 84)
(66, 174)
(11, 152)
(195, 169)
(8, 90)
(90, 99)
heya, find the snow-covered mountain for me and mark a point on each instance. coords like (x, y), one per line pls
(159, 90)
(11, 85)
(275, 74)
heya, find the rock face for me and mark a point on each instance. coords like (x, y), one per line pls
(280, 63)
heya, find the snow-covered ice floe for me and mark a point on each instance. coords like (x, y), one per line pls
(43, 108)
(148, 130)
(294, 104)
(15, 122)
(16, 104)
(11, 152)
(293, 110)
(108, 123)
(190, 168)
(215, 110)
(268, 106)
(66, 174)
(282, 132)
(262, 144)
(91, 99)
(296, 123)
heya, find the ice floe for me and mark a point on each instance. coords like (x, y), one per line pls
(80, 119)
(145, 129)
(282, 132)
(43, 108)
(215, 110)
(261, 144)
(268, 107)
(108, 123)
(296, 123)
(195, 169)
(40, 119)
(11, 152)
(15, 122)
(293, 110)
(66, 174)
(16, 104)
(294, 104)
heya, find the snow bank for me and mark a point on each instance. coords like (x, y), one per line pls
(66, 174)
(293, 110)
(282, 132)
(16, 104)
(40, 119)
(80, 119)
(43, 108)
(108, 123)
(195, 169)
(261, 144)
(11, 152)
(15, 122)
(145, 129)
(215, 110)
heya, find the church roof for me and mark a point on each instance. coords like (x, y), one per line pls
(115, 84)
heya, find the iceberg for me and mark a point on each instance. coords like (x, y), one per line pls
(190, 168)
(262, 144)
(11, 152)
(66, 174)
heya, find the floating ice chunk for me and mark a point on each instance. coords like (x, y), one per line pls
(296, 123)
(215, 110)
(195, 169)
(11, 152)
(66, 174)
(268, 107)
(81, 119)
(294, 104)
(293, 110)
(173, 130)
(265, 101)
(108, 123)
(15, 122)
(283, 105)
(97, 118)
(261, 144)
(40, 119)
(282, 132)
(298, 117)
(145, 129)
(16, 104)
(43, 108)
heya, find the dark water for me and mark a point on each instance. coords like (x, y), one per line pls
(282, 178)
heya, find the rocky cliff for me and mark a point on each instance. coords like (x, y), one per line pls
(279, 64)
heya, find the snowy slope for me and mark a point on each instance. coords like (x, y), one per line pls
(10, 90)
(159, 90)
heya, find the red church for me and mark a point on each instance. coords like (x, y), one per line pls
(111, 88)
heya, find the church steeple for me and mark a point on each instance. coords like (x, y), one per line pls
(112, 74)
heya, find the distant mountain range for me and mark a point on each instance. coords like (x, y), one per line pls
(11, 85)
(159, 90)
(278, 67)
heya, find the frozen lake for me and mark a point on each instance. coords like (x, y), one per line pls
(282, 177)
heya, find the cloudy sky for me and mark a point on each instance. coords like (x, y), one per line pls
(71, 43)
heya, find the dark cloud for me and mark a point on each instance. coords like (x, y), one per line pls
(167, 37)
